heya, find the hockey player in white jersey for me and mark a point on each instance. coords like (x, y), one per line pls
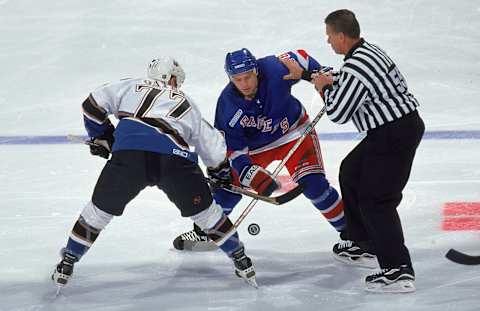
(150, 146)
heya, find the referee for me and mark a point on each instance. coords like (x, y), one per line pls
(370, 90)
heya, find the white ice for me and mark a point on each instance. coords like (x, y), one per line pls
(53, 53)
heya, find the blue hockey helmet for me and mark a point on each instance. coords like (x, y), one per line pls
(240, 61)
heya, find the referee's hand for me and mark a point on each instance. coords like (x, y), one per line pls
(320, 80)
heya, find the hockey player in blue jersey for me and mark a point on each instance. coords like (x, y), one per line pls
(261, 121)
(150, 146)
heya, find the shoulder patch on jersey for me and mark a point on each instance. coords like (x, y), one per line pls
(235, 118)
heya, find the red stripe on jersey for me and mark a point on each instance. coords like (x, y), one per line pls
(303, 53)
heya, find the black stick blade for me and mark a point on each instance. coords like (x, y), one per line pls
(462, 258)
(290, 195)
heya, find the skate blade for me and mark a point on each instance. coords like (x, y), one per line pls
(403, 286)
(249, 278)
(252, 282)
(59, 290)
(363, 262)
(198, 246)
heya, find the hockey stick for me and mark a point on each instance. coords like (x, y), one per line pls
(462, 258)
(281, 199)
(80, 139)
(280, 166)
(278, 200)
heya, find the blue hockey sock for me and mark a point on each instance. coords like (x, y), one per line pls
(325, 198)
(231, 244)
(227, 200)
(75, 248)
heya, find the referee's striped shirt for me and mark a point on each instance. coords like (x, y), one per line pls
(368, 89)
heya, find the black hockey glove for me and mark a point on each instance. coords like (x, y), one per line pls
(102, 145)
(222, 174)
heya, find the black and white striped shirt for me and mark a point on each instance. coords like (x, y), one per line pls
(368, 89)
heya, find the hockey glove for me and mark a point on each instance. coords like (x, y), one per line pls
(222, 174)
(102, 145)
(259, 179)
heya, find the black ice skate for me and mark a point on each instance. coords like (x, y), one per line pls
(244, 267)
(392, 280)
(351, 253)
(64, 270)
(194, 240)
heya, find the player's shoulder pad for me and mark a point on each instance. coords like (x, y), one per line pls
(228, 110)
(227, 95)
(227, 117)
(271, 68)
(119, 81)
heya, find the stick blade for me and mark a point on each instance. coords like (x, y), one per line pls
(290, 195)
(462, 258)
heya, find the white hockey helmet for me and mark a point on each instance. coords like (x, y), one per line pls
(163, 68)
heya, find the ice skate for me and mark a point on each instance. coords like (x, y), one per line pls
(244, 267)
(63, 271)
(194, 240)
(392, 280)
(351, 253)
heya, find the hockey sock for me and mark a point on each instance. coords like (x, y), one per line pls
(218, 227)
(227, 200)
(225, 236)
(81, 238)
(86, 229)
(325, 198)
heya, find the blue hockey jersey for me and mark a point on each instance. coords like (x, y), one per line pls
(271, 119)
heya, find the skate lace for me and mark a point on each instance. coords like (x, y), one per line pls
(68, 260)
(380, 273)
(243, 263)
(345, 244)
(66, 266)
(383, 271)
(190, 235)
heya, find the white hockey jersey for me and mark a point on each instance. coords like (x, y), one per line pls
(154, 118)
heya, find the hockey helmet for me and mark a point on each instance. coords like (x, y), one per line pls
(240, 61)
(163, 68)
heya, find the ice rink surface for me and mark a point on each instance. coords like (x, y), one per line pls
(53, 53)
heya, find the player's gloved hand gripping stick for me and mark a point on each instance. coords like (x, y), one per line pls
(280, 166)
(98, 147)
(278, 200)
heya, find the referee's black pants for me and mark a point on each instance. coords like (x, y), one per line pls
(372, 177)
